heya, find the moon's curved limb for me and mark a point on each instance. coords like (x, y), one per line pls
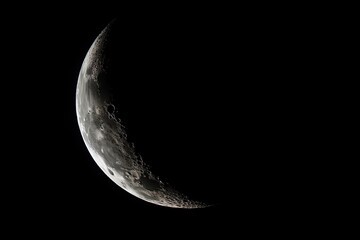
(106, 140)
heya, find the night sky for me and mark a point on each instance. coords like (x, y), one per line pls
(51, 180)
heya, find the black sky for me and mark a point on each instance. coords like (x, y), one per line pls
(49, 175)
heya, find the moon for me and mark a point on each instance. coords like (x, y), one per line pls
(99, 107)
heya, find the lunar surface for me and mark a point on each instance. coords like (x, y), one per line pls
(105, 135)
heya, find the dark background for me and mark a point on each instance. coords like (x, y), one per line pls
(50, 179)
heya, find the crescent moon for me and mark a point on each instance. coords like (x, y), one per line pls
(106, 140)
